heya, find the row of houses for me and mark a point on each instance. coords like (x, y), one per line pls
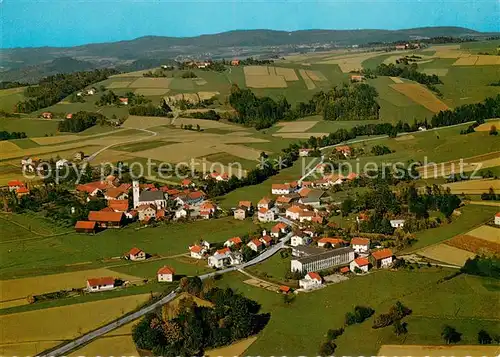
(18, 187)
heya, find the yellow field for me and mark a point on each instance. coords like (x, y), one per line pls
(256, 71)
(466, 61)
(207, 95)
(287, 73)
(473, 187)
(316, 76)
(62, 323)
(236, 349)
(488, 233)
(240, 151)
(446, 254)
(481, 60)
(145, 82)
(7, 146)
(353, 61)
(297, 126)
(491, 159)
(118, 84)
(27, 348)
(420, 95)
(439, 351)
(151, 91)
(21, 288)
(308, 81)
(145, 122)
(265, 81)
(50, 140)
(396, 79)
(487, 126)
(405, 138)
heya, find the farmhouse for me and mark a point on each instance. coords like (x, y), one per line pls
(135, 254)
(85, 227)
(357, 78)
(115, 194)
(100, 284)
(265, 202)
(293, 212)
(397, 223)
(107, 219)
(235, 241)
(22, 191)
(322, 261)
(306, 215)
(360, 245)
(265, 215)
(280, 189)
(255, 245)
(235, 62)
(220, 258)
(383, 258)
(47, 115)
(123, 101)
(240, 213)
(334, 242)
(197, 252)
(278, 229)
(245, 204)
(360, 263)
(146, 212)
(300, 238)
(266, 240)
(343, 149)
(165, 274)
(497, 219)
(312, 280)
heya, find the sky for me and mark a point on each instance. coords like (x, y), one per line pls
(35, 23)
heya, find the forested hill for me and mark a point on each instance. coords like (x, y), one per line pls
(16, 61)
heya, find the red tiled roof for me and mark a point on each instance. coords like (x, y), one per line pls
(278, 227)
(267, 239)
(118, 205)
(314, 275)
(113, 192)
(85, 225)
(263, 210)
(173, 192)
(134, 251)
(160, 213)
(101, 281)
(294, 209)
(304, 191)
(257, 242)
(15, 183)
(107, 209)
(361, 261)
(186, 182)
(283, 199)
(235, 240)
(352, 176)
(124, 100)
(382, 254)
(195, 249)
(166, 270)
(264, 201)
(343, 148)
(99, 216)
(125, 187)
(318, 219)
(360, 241)
(223, 250)
(195, 195)
(285, 288)
(22, 190)
(497, 215)
(344, 270)
(246, 204)
(278, 186)
(331, 240)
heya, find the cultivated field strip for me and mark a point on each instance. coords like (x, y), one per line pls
(421, 95)
(307, 80)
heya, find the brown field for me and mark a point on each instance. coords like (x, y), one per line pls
(53, 325)
(466, 61)
(297, 126)
(151, 91)
(265, 81)
(473, 187)
(207, 95)
(256, 71)
(308, 81)
(396, 79)
(21, 288)
(487, 126)
(441, 72)
(420, 95)
(299, 135)
(353, 61)
(145, 82)
(287, 73)
(179, 152)
(118, 84)
(446, 254)
(7, 146)
(235, 349)
(488, 233)
(488, 60)
(240, 151)
(316, 76)
(473, 244)
(439, 351)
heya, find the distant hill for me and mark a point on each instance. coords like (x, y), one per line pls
(24, 63)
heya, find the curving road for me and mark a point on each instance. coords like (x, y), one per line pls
(62, 350)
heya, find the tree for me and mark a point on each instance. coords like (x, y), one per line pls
(450, 334)
(484, 338)
(327, 349)
(399, 328)
(347, 206)
(332, 334)
(493, 130)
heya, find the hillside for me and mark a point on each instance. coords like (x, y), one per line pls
(29, 64)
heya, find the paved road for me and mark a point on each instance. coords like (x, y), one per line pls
(129, 318)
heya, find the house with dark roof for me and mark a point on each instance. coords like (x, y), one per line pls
(328, 259)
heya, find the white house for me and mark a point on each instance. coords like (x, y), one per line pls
(61, 163)
(312, 280)
(197, 252)
(255, 245)
(497, 219)
(181, 213)
(146, 212)
(278, 229)
(135, 254)
(265, 202)
(280, 189)
(220, 258)
(306, 216)
(300, 238)
(100, 284)
(265, 215)
(397, 223)
(360, 263)
(165, 273)
(293, 212)
(360, 245)
(383, 258)
(235, 241)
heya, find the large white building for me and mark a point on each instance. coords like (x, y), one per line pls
(324, 260)
(497, 219)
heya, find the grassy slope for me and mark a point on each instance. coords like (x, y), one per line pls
(9, 98)
(29, 126)
(299, 328)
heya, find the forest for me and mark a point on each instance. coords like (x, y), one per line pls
(53, 89)
(81, 121)
(5, 135)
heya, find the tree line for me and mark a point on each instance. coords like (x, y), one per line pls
(405, 71)
(52, 89)
(81, 121)
(5, 135)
